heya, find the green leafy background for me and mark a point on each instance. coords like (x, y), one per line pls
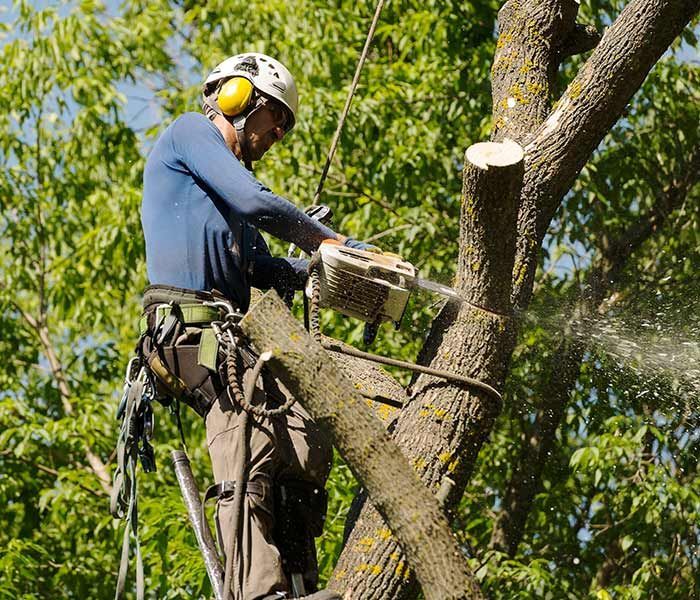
(85, 88)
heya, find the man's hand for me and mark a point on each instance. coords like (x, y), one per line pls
(358, 245)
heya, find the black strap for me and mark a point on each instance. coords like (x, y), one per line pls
(225, 489)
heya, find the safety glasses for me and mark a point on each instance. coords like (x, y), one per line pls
(280, 115)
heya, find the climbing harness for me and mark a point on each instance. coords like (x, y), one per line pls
(223, 350)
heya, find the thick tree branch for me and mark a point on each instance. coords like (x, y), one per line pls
(590, 106)
(582, 39)
(527, 57)
(372, 382)
(412, 513)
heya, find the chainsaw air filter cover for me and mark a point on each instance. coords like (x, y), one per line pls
(365, 285)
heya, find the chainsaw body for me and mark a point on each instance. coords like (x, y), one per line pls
(365, 285)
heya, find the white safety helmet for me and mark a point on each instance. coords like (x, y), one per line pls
(269, 78)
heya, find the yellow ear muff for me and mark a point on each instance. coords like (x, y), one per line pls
(234, 96)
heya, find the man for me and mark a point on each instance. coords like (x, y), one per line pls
(201, 213)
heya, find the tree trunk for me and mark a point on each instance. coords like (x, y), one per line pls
(411, 512)
(443, 427)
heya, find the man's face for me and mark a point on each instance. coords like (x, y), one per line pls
(265, 127)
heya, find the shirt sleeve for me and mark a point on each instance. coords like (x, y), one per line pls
(201, 148)
(283, 274)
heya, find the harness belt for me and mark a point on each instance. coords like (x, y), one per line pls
(189, 314)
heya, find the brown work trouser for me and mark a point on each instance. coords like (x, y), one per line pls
(285, 450)
(281, 449)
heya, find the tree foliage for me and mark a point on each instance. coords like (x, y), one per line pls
(617, 509)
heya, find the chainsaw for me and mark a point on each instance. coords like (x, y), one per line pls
(370, 286)
(373, 287)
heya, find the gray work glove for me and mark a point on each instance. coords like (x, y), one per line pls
(358, 245)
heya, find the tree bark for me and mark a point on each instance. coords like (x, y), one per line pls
(411, 512)
(381, 391)
(443, 427)
(589, 107)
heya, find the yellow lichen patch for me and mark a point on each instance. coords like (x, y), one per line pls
(575, 90)
(535, 88)
(445, 457)
(532, 31)
(527, 66)
(505, 38)
(453, 465)
(418, 463)
(371, 569)
(520, 274)
(340, 574)
(476, 265)
(516, 92)
(402, 570)
(369, 403)
(469, 208)
(504, 61)
(365, 544)
(468, 202)
(384, 534)
(394, 556)
(439, 413)
(385, 412)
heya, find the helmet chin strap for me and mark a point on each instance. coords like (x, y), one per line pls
(239, 125)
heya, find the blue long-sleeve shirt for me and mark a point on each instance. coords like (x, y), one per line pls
(200, 213)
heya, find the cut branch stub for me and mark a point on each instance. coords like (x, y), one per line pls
(409, 509)
(493, 175)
